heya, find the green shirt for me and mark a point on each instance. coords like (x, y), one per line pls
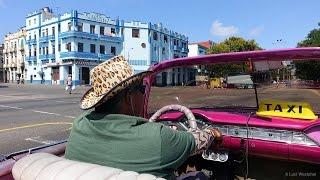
(129, 143)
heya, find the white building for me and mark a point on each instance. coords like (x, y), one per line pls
(73, 43)
(14, 54)
(199, 49)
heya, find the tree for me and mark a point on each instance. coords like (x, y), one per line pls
(232, 44)
(309, 70)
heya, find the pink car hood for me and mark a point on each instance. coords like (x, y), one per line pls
(236, 118)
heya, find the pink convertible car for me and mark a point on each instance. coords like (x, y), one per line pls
(270, 123)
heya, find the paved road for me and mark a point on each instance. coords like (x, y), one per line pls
(33, 115)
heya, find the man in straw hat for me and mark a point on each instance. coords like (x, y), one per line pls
(114, 134)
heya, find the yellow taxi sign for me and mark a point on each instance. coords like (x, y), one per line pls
(299, 110)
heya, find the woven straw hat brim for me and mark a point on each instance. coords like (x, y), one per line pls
(90, 100)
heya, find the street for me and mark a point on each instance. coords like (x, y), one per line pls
(33, 115)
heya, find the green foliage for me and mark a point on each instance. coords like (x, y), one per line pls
(312, 39)
(232, 44)
(309, 70)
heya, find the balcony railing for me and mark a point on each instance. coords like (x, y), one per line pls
(46, 56)
(78, 55)
(86, 35)
(31, 41)
(109, 38)
(184, 50)
(31, 58)
(44, 39)
(105, 56)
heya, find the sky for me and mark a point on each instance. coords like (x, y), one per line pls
(266, 21)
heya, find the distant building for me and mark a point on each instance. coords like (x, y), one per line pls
(73, 43)
(14, 54)
(1, 63)
(199, 49)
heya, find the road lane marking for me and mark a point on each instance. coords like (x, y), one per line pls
(12, 107)
(35, 125)
(72, 117)
(39, 140)
(44, 112)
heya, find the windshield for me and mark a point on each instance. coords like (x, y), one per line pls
(193, 89)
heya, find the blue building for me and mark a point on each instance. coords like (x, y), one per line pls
(73, 43)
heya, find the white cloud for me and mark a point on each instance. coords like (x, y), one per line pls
(2, 4)
(256, 31)
(218, 29)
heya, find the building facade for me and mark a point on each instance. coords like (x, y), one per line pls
(199, 49)
(74, 43)
(1, 63)
(14, 55)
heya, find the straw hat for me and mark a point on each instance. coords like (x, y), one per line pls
(108, 79)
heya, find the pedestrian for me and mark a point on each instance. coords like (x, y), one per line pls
(69, 83)
(114, 134)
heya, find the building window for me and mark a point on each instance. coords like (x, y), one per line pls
(143, 45)
(135, 33)
(92, 48)
(69, 26)
(163, 50)
(53, 30)
(59, 47)
(80, 27)
(92, 29)
(59, 28)
(29, 22)
(47, 50)
(68, 47)
(174, 42)
(43, 51)
(80, 47)
(113, 50)
(34, 21)
(155, 36)
(53, 49)
(113, 31)
(47, 32)
(29, 52)
(34, 36)
(101, 30)
(165, 38)
(102, 49)
(34, 52)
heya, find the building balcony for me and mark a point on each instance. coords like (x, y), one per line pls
(31, 42)
(185, 50)
(86, 35)
(78, 55)
(109, 38)
(45, 39)
(31, 58)
(77, 34)
(105, 56)
(176, 48)
(46, 56)
(13, 64)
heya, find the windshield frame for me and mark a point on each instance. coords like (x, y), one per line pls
(296, 54)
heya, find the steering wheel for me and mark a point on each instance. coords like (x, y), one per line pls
(191, 119)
